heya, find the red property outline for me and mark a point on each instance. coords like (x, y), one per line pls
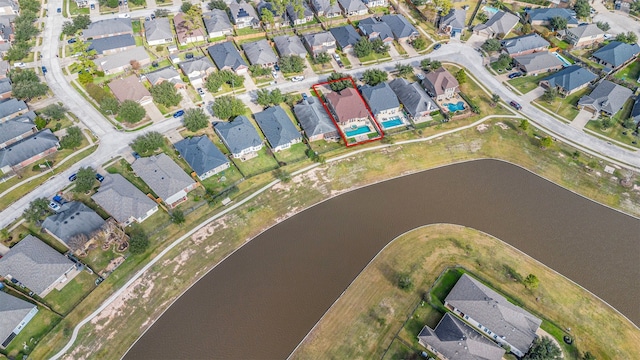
(342, 134)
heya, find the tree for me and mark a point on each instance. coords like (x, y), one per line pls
(461, 76)
(147, 143)
(160, 12)
(425, 64)
(419, 43)
(404, 70)
(185, 7)
(131, 112)
(605, 122)
(524, 124)
(225, 107)
(81, 22)
(435, 65)
(582, 8)
(503, 61)
(629, 37)
(482, 17)
(267, 16)
(291, 64)
(629, 123)
(603, 25)
(110, 105)
(54, 111)
(26, 84)
(363, 47)
(36, 210)
(40, 122)
(558, 23)
(72, 139)
(405, 282)
(495, 98)
(85, 178)
(443, 5)
(550, 95)
(543, 348)
(526, 28)
(166, 94)
(531, 281)
(379, 47)
(282, 175)
(322, 58)
(491, 45)
(177, 217)
(339, 85)
(138, 240)
(195, 119)
(263, 97)
(217, 4)
(374, 77)
(277, 97)
(258, 70)
(68, 28)
(545, 142)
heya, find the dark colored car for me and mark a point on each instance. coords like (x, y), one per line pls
(304, 96)
(515, 105)
(99, 177)
(44, 69)
(59, 10)
(437, 46)
(276, 67)
(515, 75)
(178, 113)
(71, 41)
(188, 55)
(73, 177)
(153, 16)
(135, 155)
(93, 6)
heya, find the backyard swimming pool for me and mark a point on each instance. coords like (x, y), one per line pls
(565, 62)
(358, 131)
(455, 107)
(490, 9)
(393, 122)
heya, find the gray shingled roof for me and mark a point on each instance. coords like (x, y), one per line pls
(201, 64)
(158, 29)
(201, 154)
(122, 58)
(72, 219)
(585, 30)
(27, 148)
(635, 112)
(318, 39)
(277, 126)
(570, 78)
(352, 5)
(163, 175)
(108, 26)
(112, 42)
(524, 43)
(346, 36)
(216, 20)
(168, 73)
(380, 97)
(121, 199)
(238, 134)
(538, 61)
(617, 53)
(325, 6)
(15, 127)
(607, 96)
(457, 340)
(456, 18)
(414, 99)
(399, 25)
(11, 106)
(34, 263)
(288, 45)
(6, 29)
(12, 311)
(226, 55)
(259, 52)
(516, 325)
(546, 14)
(5, 85)
(500, 23)
(313, 118)
(370, 25)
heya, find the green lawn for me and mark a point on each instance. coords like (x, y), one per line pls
(527, 83)
(630, 72)
(223, 180)
(616, 131)
(322, 146)
(75, 10)
(39, 326)
(374, 57)
(565, 107)
(293, 154)
(247, 31)
(66, 299)
(136, 25)
(443, 286)
(262, 163)
(555, 42)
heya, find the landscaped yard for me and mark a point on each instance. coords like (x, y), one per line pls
(322, 146)
(66, 299)
(555, 42)
(39, 326)
(617, 132)
(527, 83)
(262, 163)
(565, 107)
(630, 72)
(293, 154)
(223, 180)
(374, 57)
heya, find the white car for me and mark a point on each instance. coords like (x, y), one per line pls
(54, 206)
(420, 76)
(20, 65)
(297, 78)
(274, 73)
(336, 56)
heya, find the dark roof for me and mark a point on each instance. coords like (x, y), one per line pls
(73, 218)
(293, 14)
(288, 45)
(108, 26)
(216, 20)
(380, 97)
(514, 324)
(399, 25)
(412, 96)
(524, 43)
(313, 118)
(162, 174)
(27, 148)
(546, 14)
(570, 78)
(15, 127)
(370, 25)
(201, 154)
(34, 263)
(12, 312)
(537, 61)
(277, 126)
(5, 85)
(11, 106)
(226, 55)
(259, 52)
(345, 35)
(617, 53)
(242, 10)
(635, 112)
(238, 134)
(352, 5)
(121, 199)
(457, 340)
(607, 96)
(326, 7)
(112, 42)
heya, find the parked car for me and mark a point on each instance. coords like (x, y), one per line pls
(304, 96)
(336, 56)
(297, 78)
(72, 40)
(420, 76)
(276, 67)
(178, 113)
(54, 206)
(515, 105)
(340, 64)
(99, 177)
(44, 70)
(515, 75)
(73, 177)
(135, 155)
(153, 16)
(437, 46)
(188, 55)
(19, 65)
(59, 10)
(93, 6)
(200, 91)
(274, 74)
(147, 19)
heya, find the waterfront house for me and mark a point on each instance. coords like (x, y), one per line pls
(635, 112)
(123, 201)
(374, 29)
(109, 27)
(326, 8)
(353, 7)
(288, 45)
(414, 99)
(243, 14)
(584, 35)
(217, 23)
(346, 37)
(538, 63)
(277, 128)
(119, 62)
(11, 108)
(28, 150)
(197, 70)
(607, 98)
(16, 129)
(203, 156)
(15, 314)
(543, 16)
(382, 101)
(440, 84)
(616, 54)
(37, 266)
(347, 106)
(569, 80)
(525, 44)
(169, 74)
(454, 23)
(130, 88)
(299, 18)
(240, 137)
(158, 31)
(187, 31)
(322, 42)
(260, 53)
(401, 28)
(498, 26)
(315, 120)
(72, 221)
(165, 178)
(227, 57)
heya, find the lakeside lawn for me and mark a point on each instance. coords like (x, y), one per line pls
(297, 152)
(264, 162)
(524, 84)
(40, 325)
(63, 301)
(617, 131)
(565, 107)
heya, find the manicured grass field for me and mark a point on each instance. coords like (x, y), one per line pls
(630, 73)
(40, 325)
(66, 299)
(527, 83)
(565, 107)
(262, 163)
(293, 154)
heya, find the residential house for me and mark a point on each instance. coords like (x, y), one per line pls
(635, 112)
(109, 27)
(6, 29)
(414, 99)
(382, 101)
(9, 7)
(14, 130)
(543, 16)
(454, 23)
(227, 57)
(538, 63)
(498, 26)
(346, 37)
(299, 18)
(217, 23)
(130, 88)
(277, 128)
(441, 84)
(11, 108)
(401, 28)
(347, 106)
(197, 70)
(4, 69)
(169, 74)
(616, 54)
(158, 31)
(353, 7)
(15, 314)
(6, 89)
(453, 339)
(28, 150)
(243, 14)
(525, 44)
(187, 31)
(288, 45)
(36, 265)
(279, 19)
(584, 35)
(240, 137)
(203, 156)
(315, 120)
(492, 314)
(607, 98)
(325, 8)
(123, 201)
(165, 178)
(73, 220)
(322, 42)
(375, 3)
(119, 62)
(112, 44)
(81, 3)
(373, 28)
(569, 80)
(260, 53)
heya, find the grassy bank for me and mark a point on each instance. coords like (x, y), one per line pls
(371, 314)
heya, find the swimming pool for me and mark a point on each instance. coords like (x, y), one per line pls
(565, 62)
(393, 122)
(490, 9)
(358, 131)
(455, 107)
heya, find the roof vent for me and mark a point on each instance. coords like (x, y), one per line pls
(72, 218)
(78, 213)
(65, 222)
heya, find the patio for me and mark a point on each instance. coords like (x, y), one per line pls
(453, 105)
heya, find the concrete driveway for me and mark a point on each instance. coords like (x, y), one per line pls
(533, 94)
(152, 111)
(584, 116)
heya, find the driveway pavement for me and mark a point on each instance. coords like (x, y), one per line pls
(582, 119)
(533, 94)
(152, 111)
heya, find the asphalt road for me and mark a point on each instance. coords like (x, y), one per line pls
(618, 21)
